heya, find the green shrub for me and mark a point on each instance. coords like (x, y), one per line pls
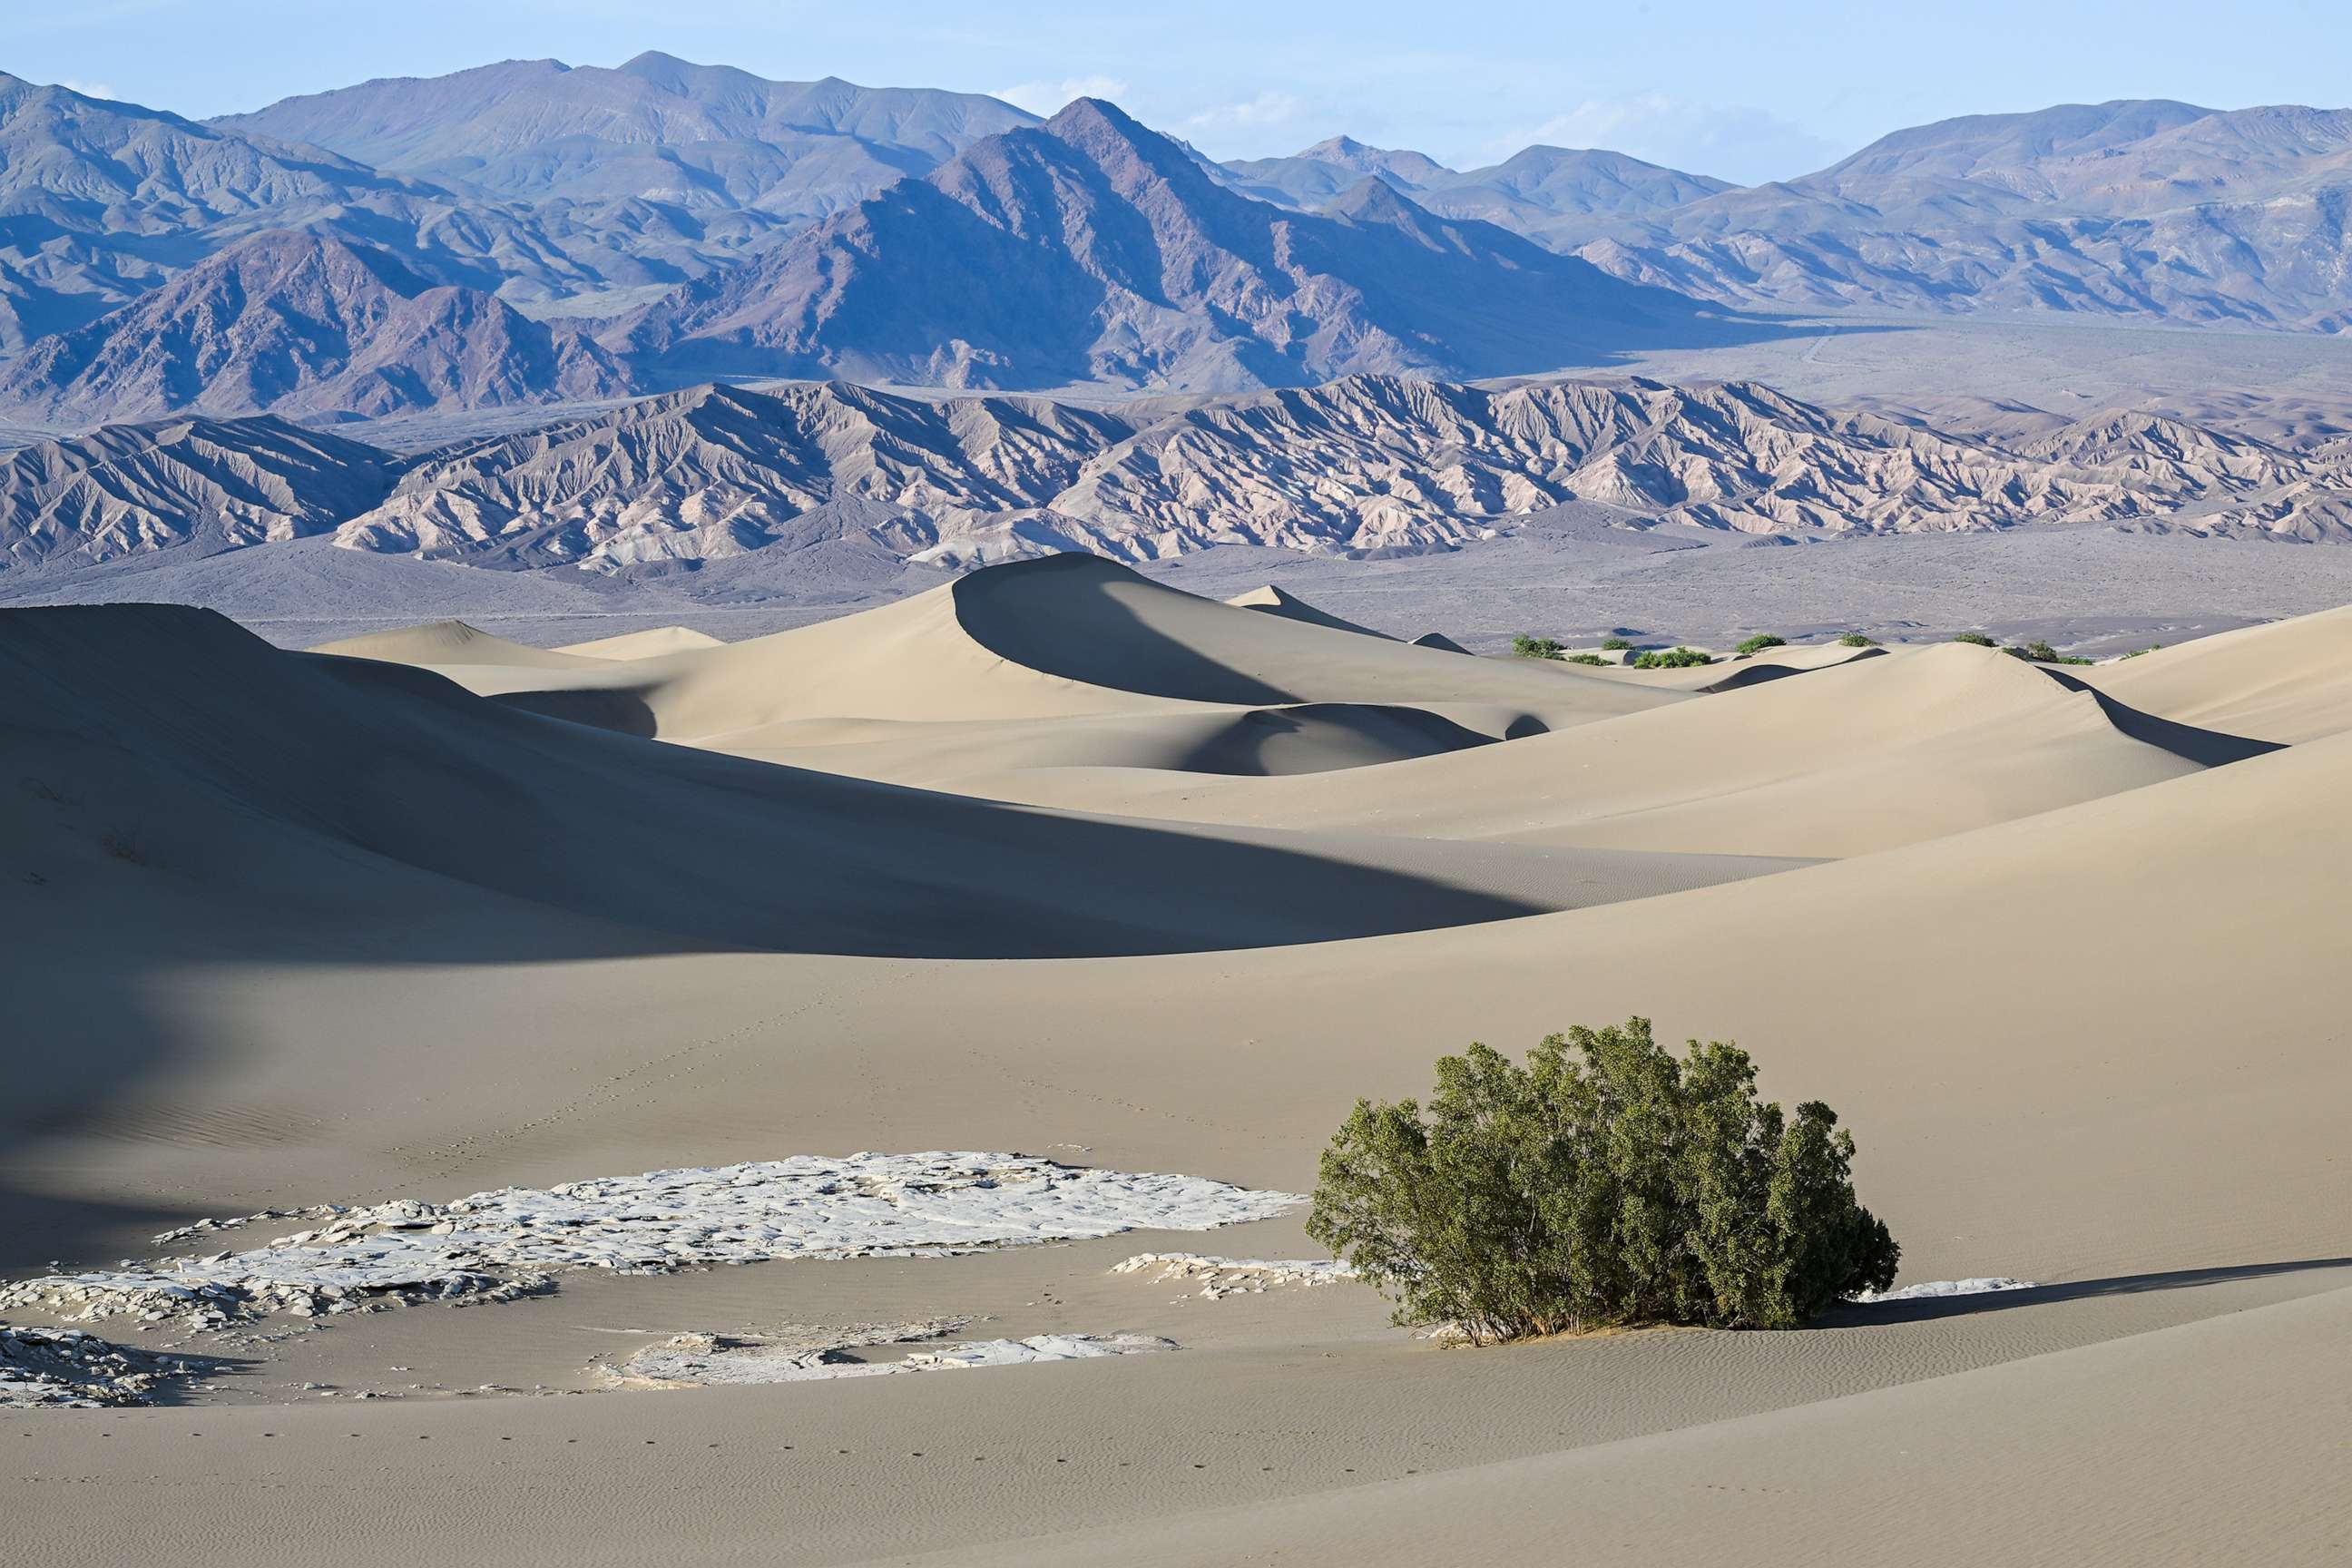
(1586, 658)
(1855, 640)
(1526, 647)
(1750, 646)
(2138, 651)
(2042, 653)
(1676, 658)
(1616, 645)
(1974, 639)
(1614, 1187)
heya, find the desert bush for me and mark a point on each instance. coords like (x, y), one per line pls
(1855, 640)
(1616, 645)
(2042, 653)
(1974, 639)
(1676, 658)
(2138, 651)
(1528, 647)
(1747, 647)
(1586, 658)
(1604, 1181)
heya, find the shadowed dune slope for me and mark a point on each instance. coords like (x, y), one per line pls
(1863, 756)
(2288, 680)
(713, 849)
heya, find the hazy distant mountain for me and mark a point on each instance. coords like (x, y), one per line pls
(2151, 209)
(1365, 464)
(304, 323)
(1308, 179)
(708, 222)
(1540, 192)
(1090, 249)
(100, 201)
(131, 489)
(658, 129)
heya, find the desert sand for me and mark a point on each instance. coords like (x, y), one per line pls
(1059, 862)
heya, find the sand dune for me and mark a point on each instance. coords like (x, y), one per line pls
(2254, 1475)
(288, 929)
(451, 643)
(1297, 738)
(1276, 600)
(2287, 680)
(1870, 754)
(1063, 637)
(648, 644)
(718, 850)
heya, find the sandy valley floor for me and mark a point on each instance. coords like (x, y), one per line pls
(1057, 862)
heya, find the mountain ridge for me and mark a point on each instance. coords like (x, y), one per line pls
(1365, 466)
(305, 323)
(1092, 249)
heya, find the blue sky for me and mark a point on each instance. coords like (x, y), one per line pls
(1746, 92)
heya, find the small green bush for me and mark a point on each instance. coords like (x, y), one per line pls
(2138, 651)
(1526, 647)
(1616, 645)
(1749, 647)
(2042, 653)
(1586, 658)
(1616, 1185)
(1855, 640)
(1676, 658)
(1974, 639)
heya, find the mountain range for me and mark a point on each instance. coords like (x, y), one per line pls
(531, 231)
(1363, 465)
(1091, 250)
(2143, 208)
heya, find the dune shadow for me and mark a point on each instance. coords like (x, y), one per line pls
(2206, 748)
(1323, 737)
(1757, 674)
(1051, 614)
(619, 709)
(1936, 1308)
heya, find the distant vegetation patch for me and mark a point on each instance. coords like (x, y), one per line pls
(2138, 651)
(1974, 639)
(1676, 658)
(1855, 640)
(1616, 645)
(1748, 647)
(1528, 647)
(2042, 653)
(1586, 658)
(1604, 1181)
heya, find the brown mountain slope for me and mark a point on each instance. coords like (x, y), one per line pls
(130, 488)
(301, 323)
(1090, 249)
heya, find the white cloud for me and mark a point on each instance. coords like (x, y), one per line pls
(1730, 142)
(89, 88)
(1268, 108)
(1045, 97)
